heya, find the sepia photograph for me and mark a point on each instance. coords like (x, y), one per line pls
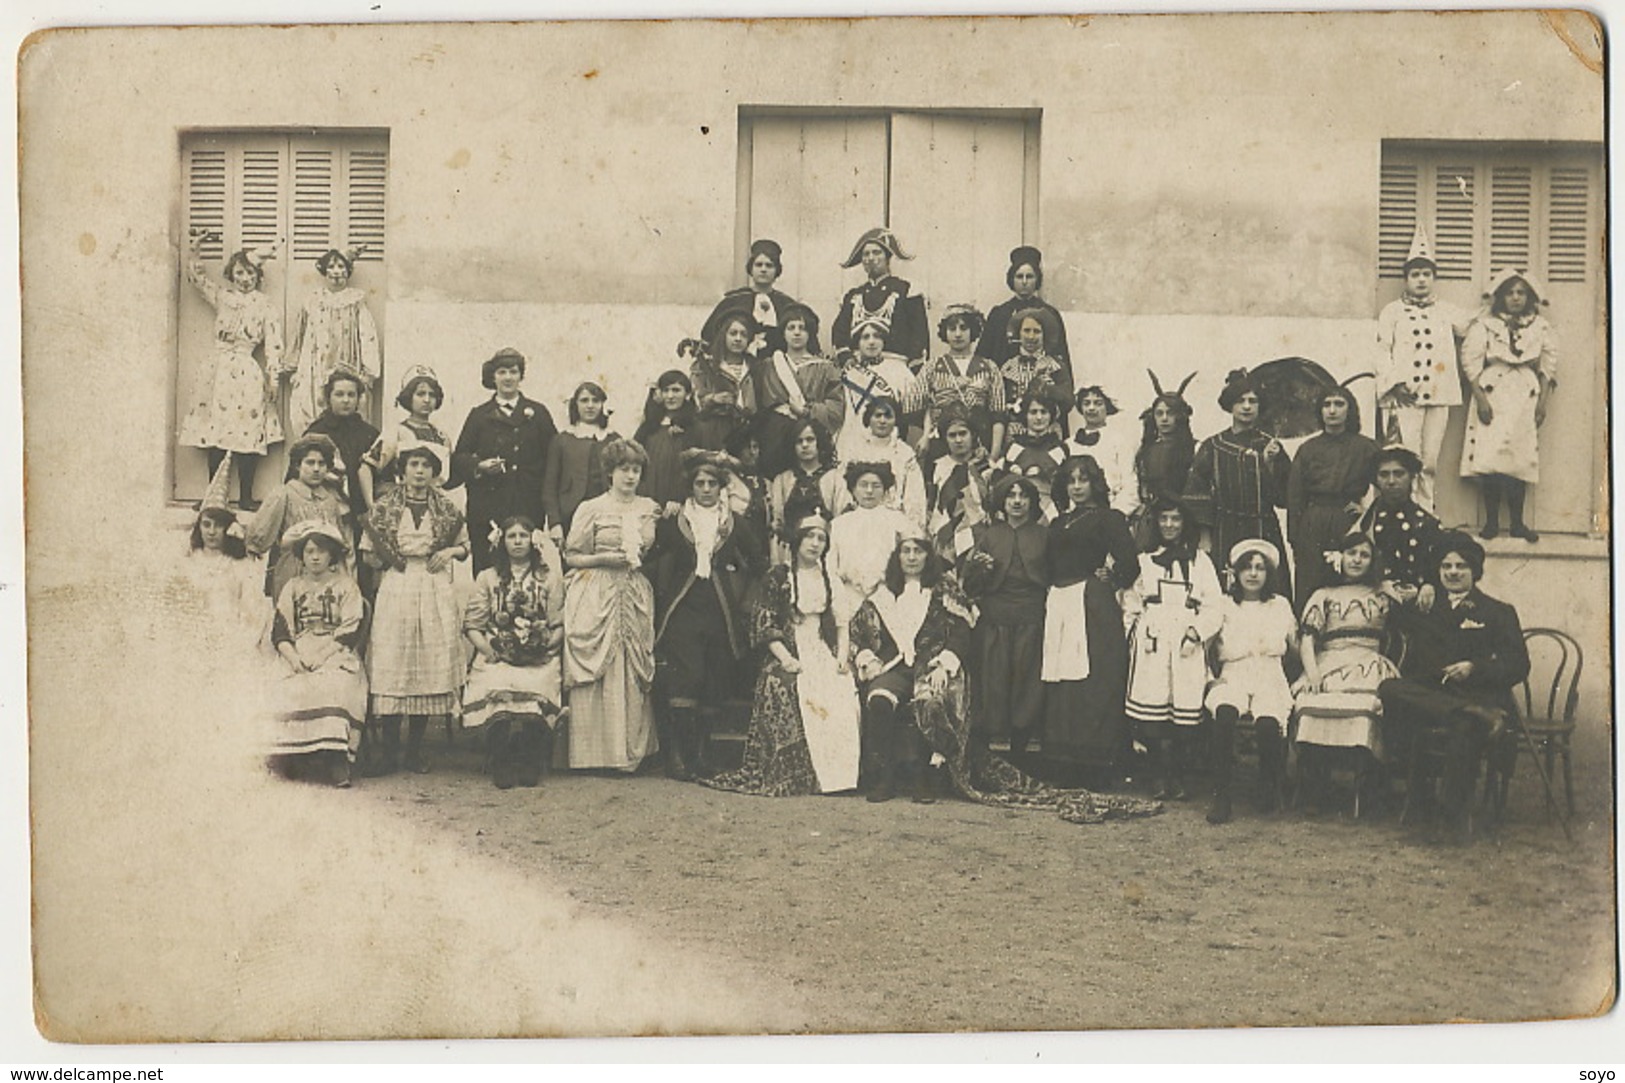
(816, 526)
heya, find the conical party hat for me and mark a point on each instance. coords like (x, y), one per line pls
(1421, 247)
(215, 495)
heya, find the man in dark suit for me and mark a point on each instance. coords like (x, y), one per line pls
(501, 453)
(1463, 657)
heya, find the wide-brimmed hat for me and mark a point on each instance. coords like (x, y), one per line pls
(303, 531)
(1248, 546)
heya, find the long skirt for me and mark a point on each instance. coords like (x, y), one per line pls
(1083, 719)
(1510, 443)
(1346, 712)
(415, 658)
(495, 687)
(612, 720)
(829, 712)
(320, 710)
(1010, 695)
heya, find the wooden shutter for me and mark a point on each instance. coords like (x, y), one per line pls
(1453, 220)
(338, 196)
(1568, 207)
(1398, 206)
(1511, 216)
(366, 184)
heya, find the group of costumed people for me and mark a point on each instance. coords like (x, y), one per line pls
(907, 564)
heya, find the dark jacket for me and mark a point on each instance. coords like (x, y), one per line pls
(736, 565)
(1480, 630)
(523, 442)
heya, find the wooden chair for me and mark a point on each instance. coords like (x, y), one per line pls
(1546, 726)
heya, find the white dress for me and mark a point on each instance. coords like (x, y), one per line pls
(1253, 640)
(1511, 377)
(827, 697)
(1167, 678)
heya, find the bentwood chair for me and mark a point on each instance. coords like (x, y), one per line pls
(1546, 727)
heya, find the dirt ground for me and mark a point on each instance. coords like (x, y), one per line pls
(181, 892)
(954, 916)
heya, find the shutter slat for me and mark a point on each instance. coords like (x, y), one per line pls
(261, 196)
(313, 203)
(206, 198)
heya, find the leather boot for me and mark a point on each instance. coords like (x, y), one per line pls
(1271, 760)
(500, 752)
(679, 720)
(1222, 756)
(416, 726)
(528, 760)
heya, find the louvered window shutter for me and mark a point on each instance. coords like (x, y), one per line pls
(1511, 216)
(1453, 220)
(1396, 216)
(339, 191)
(1568, 208)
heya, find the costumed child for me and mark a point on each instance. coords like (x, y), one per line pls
(415, 659)
(667, 431)
(1111, 444)
(310, 491)
(354, 438)
(575, 463)
(1032, 365)
(1037, 449)
(880, 442)
(1510, 359)
(874, 371)
(420, 396)
(234, 400)
(1339, 711)
(810, 479)
(861, 540)
(1171, 613)
(1419, 374)
(961, 379)
(319, 705)
(1163, 463)
(1257, 629)
(335, 333)
(515, 623)
(235, 584)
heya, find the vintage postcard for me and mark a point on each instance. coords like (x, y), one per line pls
(805, 526)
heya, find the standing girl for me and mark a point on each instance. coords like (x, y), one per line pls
(335, 333)
(1037, 449)
(1085, 672)
(1163, 462)
(1007, 574)
(609, 619)
(723, 390)
(420, 396)
(515, 623)
(1171, 612)
(1239, 476)
(704, 562)
(666, 432)
(961, 378)
(1256, 631)
(1510, 359)
(575, 470)
(311, 491)
(1328, 488)
(1343, 664)
(880, 443)
(234, 404)
(1031, 366)
(811, 479)
(415, 659)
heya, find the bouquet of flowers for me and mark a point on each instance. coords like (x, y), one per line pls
(519, 633)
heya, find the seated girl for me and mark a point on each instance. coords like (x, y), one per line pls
(310, 491)
(1257, 630)
(319, 705)
(804, 736)
(515, 623)
(909, 642)
(1343, 665)
(861, 541)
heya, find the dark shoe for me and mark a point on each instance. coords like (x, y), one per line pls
(415, 762)
(923, 790)
(1219, 812)
(1490, 532)
(529, 763)
(882, 791)
(502, 773)
(339, 771)
(248, 505)
(1518, 530)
